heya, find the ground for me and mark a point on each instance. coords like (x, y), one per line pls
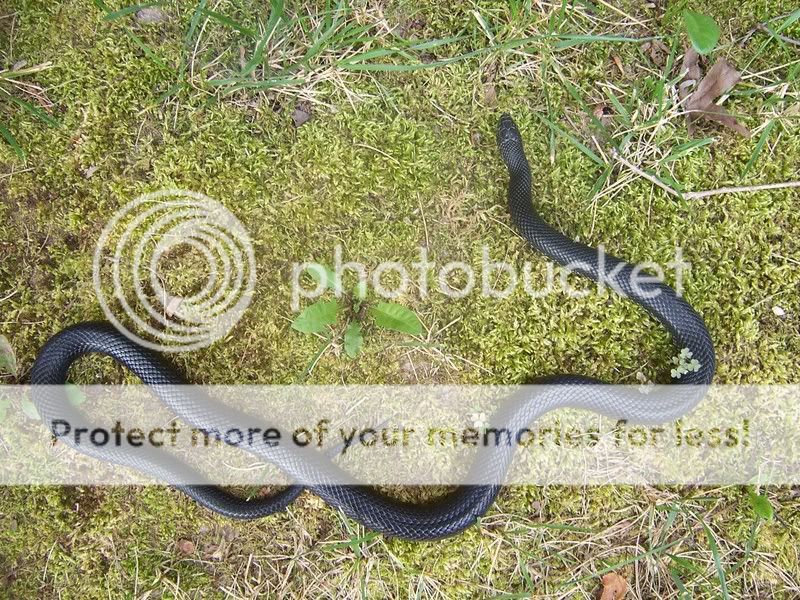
(391, 159)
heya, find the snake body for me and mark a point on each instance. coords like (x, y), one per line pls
(461, 507)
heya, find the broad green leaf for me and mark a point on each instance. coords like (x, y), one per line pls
(8, 361)
(317, 317)
(353, 340)
(761, 505)
(703, 31)
(396, 317)
(29, 408)
(322, 274)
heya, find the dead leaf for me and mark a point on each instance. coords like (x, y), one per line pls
(489, 95)
(614, 587)
(301, 115)
(618, 61)
(657, 51)
(186, 546)
(717, 81)
(89, 171)
(714, 112)
(700, 103)
(692, 73)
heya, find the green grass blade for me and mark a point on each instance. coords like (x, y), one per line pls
(623, 563)
(12, 141)
(228, 22)
(35, 111)
(621, 110)
(198, 12)
(686, 148)
(712, 542)
(147, 51)
(573, 140)
(250, 84)
(762, 140)
(276, 15)
(574, 40)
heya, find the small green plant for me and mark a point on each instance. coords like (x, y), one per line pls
(760, 504)
(325, 315)
(684, 363)
(703, 31)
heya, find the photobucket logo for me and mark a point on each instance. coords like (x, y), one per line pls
(168, 236)
(491, 278)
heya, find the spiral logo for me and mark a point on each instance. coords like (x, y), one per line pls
(151, 253)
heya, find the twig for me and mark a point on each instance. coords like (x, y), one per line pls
(760, 26)
(704, 193)
(650, 178)
(742, 188)
(783, 38)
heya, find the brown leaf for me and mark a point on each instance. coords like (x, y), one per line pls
(690, 66)
(229, 533)
(717, 113)
(490, 95)
(186, 546)
(700, 103)
(717, 81)
(618, 61)
(614, 587)
(301, 115)
(657, 51)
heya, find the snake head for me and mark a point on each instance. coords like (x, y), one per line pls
(509, 141)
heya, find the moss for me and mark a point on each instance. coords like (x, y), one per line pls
(413, 162)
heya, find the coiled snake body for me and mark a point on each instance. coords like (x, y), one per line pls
(459, 509)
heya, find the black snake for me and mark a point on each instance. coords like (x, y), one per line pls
(463, 506)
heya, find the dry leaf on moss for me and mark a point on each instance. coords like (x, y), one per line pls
(693, 73)
(301, 114)
(658, 52)
(614, 587)
(700, 102)
(489, 95)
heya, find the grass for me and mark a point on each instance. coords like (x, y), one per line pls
(400, 152)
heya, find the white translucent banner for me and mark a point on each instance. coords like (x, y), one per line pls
(407, 435)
